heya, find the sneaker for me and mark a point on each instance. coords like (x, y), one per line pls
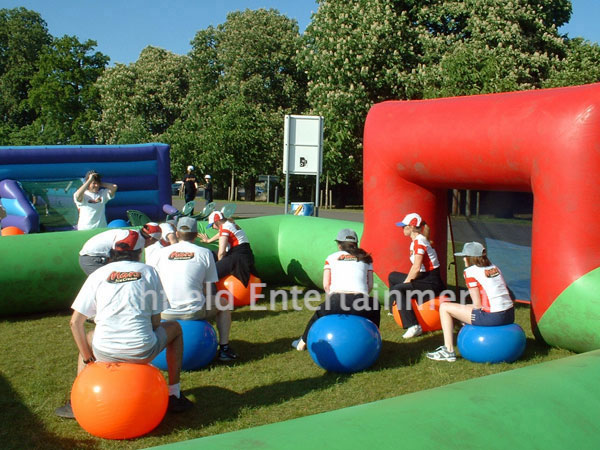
(413, 331)
(299, 344)
(179, 404)
(226, 354)
(66, 412)
(442, 354)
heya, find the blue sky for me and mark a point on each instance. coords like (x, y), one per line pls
(122, 28)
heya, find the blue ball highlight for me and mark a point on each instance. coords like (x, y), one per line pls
(199, 346)
(344, 343)
(505, 343)
(118, 223)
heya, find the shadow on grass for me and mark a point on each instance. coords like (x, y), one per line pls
(217, 404)
(20, 428)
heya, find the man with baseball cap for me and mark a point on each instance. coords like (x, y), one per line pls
(187, 272)
(95, 253)
(126, 298)
(167, 237)
(190, 185)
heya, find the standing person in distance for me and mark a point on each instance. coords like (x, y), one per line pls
(90, 199)
(423, 278)
(190, 185)
(492, 305)
(208, 189)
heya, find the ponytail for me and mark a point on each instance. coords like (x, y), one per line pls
(356, 251)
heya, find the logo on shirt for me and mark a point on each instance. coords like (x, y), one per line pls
(123, 277)
(491, 273)
(181, 256)
(97, 200)
(347, 258)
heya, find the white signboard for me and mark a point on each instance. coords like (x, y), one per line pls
(303, 145)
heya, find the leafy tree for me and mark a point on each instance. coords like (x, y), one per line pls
(23, 35)
(142, 100)
(356, 53)
(581, 66)
(244, 79)
(63, 93)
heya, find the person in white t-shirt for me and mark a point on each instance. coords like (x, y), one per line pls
(234, 256)
(95, 253)
(188, 272)
(167, 237)
(126, 297)
(423, 279)
(492, 304)
(91, 200)
(347, 281)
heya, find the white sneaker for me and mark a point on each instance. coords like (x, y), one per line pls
(299, 344)
(413, 331)
(442, 354)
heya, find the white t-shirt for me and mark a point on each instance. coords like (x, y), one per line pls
(100, 244)
(184, 268)
(347, 273)
(491, 285)
(91, 209)
(123, 296)
(421, 246)
(235, 237)
(151, 252)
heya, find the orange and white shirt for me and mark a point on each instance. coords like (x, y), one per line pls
(491, 285)
(348, 274)
(234, 235)
(421, 246)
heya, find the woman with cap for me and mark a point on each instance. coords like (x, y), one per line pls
(347, 281)
(492, 304)
(91, 200)
(235, 256)
(423, 279)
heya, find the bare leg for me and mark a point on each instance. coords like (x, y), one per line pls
(448, 312)
(174, 350)
(223, 320)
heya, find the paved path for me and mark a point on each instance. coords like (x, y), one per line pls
(247, 210)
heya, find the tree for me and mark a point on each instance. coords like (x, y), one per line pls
(142, 100)
(23, 35)
(486, 46)
(244, 79)
(63, 93)
(356, 53)
(581, 66)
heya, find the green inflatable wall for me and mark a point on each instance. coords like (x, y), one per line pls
(40, 272)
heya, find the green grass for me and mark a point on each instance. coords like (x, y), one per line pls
(270, 383)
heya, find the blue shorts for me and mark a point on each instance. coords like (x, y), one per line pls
(482, 318)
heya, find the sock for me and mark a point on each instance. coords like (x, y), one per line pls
(174, 389)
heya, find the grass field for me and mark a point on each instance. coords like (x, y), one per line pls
(271, 382)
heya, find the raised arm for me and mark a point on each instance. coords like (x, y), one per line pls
(79, 192)
(112, 188)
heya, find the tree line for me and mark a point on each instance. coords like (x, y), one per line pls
(221, 106)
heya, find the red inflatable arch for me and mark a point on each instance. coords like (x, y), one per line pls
(545, 141)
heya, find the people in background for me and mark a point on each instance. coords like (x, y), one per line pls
(91, 199)
(208, 189)
(190, 185)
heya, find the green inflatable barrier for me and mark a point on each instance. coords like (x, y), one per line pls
(553, 405)
(41, 271)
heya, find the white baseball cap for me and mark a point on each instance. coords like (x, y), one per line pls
(190, 167)
(412, 219)
(214, 216)
(207, 176)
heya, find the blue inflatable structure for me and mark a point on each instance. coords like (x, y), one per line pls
(48, 176)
